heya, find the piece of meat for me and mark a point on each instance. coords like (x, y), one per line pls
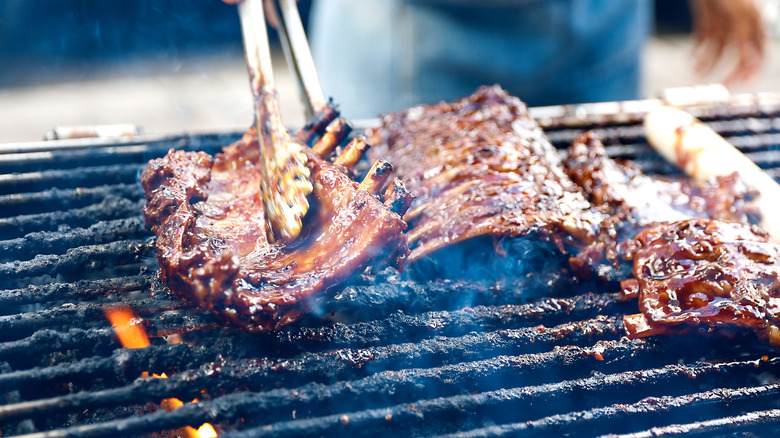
(481, 169)
(701, 272)
(636, 201)
(622, 187)
(213, 249)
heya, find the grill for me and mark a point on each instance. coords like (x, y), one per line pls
(423, 358)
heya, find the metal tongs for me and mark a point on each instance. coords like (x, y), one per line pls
(298, 55)
(285, 179)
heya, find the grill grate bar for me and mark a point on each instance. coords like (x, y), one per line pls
(248, 405)
(52, 242)
(46, 341)
(343, 364)
(198, 141)
(448, 413)
(64, 199)
(621, 134)
(110, 208)
(347, 363)
(752, 145)
(405, 384)
(370, 301)
(31, 161)
(402, 327)
(664, 168)
(582, 116)
(19, 325)
(123, 366)
(86, 176)
(77, 260)
(635, 134)
(396, 328)
(36, 349)
(77, 342)
(176, 323)
(644, 413)
(652, 163)
(753, 421)
(104, 156)
(82, 289)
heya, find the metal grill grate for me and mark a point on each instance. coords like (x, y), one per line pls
(419, 358)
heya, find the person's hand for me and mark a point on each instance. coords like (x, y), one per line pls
(722, 26)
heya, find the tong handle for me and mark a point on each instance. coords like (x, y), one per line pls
(299, 58)
(284, 182)
(256, 45)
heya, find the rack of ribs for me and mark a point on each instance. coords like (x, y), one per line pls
(480, 168)
(213, 250)
(706, 273)
(635, 201)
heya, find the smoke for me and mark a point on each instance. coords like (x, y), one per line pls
(531, 265)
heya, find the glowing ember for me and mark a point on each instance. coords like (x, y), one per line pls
(207, 431)
(131, 334)
(171, 404)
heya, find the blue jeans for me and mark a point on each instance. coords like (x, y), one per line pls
(376, 56)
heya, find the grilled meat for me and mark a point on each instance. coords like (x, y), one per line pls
(701, 272)
(624, 189)
(636, 201)
(480, 168)
(213, 250)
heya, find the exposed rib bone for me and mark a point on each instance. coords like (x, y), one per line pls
(397, 197)
(336, 132)
(353, 152)
(377, 177)
(318, 123)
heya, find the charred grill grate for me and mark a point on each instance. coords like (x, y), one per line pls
(421, 358)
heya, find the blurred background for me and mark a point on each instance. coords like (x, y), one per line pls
(172, 67)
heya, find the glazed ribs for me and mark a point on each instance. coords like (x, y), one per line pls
(694, 257)
(636, 201)
(483, 177)
(705, 273)
(213, 250)
(481, 168)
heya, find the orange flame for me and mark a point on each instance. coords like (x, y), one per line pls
(127, 327)
(131, 334)
(207, 431)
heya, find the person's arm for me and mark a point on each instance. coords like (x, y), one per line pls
(723, 26)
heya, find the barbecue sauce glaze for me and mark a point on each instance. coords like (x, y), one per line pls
(705, 272)
(213, 250)
(480, 166)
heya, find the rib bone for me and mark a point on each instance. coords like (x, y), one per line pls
(353, 152)
(377, 177)
(397, 197)
(336, 132)
(318, 123)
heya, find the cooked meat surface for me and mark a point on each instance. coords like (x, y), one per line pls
(636, 201)
(621, 186)
(480, 166)
(213, 250)
(701, 272)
